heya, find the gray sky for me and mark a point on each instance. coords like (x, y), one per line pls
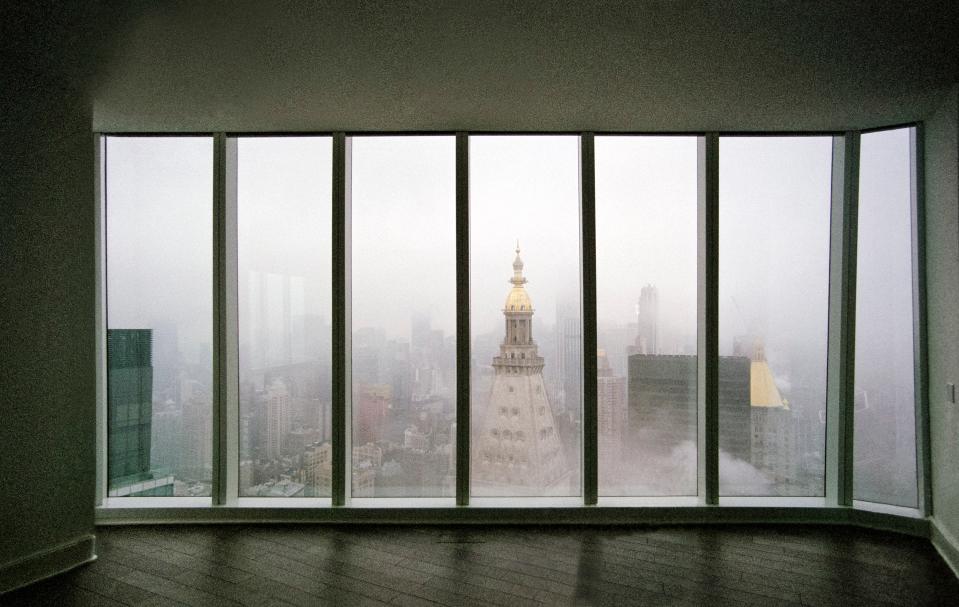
(403, 232)
(527, 189)
(159, 225)
(774, 195)
(646, 228)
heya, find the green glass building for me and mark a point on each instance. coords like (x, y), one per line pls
(130, 414)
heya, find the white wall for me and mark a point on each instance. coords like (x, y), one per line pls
(47, 345)
(942, 263)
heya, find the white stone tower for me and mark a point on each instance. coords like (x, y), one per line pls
(518, 451)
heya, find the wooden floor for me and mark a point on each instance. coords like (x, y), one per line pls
(508, 566)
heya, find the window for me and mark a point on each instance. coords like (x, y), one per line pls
(284, 249)
(885, 423)
(524, 213)
(159, 219)
(403, 309)
(774, 210)
(646, 253)
(398, 203)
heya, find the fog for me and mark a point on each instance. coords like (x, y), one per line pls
(775, 207)
(774, 251)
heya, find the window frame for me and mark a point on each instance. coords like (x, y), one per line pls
(837, 505)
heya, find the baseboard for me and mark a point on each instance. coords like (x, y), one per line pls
(946, 544)
(597, 515)
(47, 563)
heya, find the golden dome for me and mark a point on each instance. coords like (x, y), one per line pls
(518, 300)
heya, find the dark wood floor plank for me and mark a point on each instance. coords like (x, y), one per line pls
(509, 566)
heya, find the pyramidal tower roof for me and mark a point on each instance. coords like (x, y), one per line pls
(518, 449)
(763, 391)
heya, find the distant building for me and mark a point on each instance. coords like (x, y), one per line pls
(648, 320)
(569, 350)
(281, 488)
(775, 449)
(130, 401)
(735, 410)
(130, 416)
(246, 475)
(196, 447)
(298, 439)
(277, 418)
(611, 409)
(414, 438)
(647, 339)
(518, 450)
(318, 468)
(371, 408)
(756, 424)
(367, 460)
(662, 403)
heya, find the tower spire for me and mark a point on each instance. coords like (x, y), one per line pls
(519, 451)
(518, 279)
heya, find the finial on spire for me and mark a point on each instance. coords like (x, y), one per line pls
(517, 279)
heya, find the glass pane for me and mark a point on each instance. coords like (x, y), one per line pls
(885, 426)
(284, 242)
(526, 337)
(646, 252)
(404, 316)
(159, 246)
(774, 210)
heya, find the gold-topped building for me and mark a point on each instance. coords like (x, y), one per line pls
(518, 450)
(762, 387)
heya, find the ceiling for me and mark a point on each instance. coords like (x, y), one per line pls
(606, 66)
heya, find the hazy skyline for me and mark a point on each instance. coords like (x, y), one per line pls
(774, 216)
(522, 187)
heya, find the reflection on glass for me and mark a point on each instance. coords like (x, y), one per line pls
(159, 250)
(284, 190)
(403, 205)
(774, 206)
(525, 315)
(646, 252)
(885, 427)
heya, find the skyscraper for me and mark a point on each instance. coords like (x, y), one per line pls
(130, 401)
(774, 431)
(518, 449)
(371, 406)
(318, 469)
(611, 409)
(649, 319)
(277, 418)
(130, 415)
(662, 407)
(569, 350)
(647, 323)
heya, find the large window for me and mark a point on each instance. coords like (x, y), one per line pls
(646, 252)
(159, 218)
(525, 314)
(283, 290)
(403, 202)
(885, 423)
(241, 271)
(774, 210)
